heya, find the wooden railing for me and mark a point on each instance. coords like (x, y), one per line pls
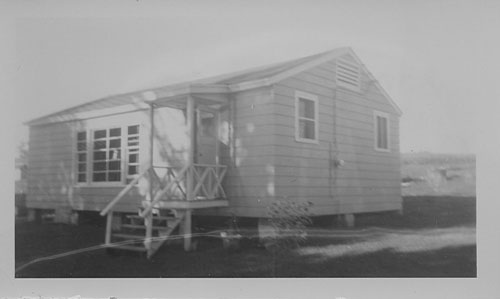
(195, 182)
(124, 191)
(207, 181)
(191, 182)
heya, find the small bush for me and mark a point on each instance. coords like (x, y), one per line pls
(289, 221)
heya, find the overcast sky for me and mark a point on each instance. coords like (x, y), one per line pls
(428, 55)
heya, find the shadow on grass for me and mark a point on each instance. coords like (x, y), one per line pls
(434, 238)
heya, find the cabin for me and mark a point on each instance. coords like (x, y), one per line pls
(318, 129)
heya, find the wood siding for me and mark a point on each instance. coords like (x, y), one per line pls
(51, 175)
(51, 172)
(257, 143)
(249, 153)
(50, 166)
(369, 180)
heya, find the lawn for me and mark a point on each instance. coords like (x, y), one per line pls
(435, 237)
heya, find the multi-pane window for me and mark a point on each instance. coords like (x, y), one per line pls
(133, 152)
(306, 117)
(81, 156)
(102, 159)
(106, 156)
(381, 131)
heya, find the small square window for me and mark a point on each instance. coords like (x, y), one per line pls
(132, 170)
(114, 143)
(81, 146)
(132, 158)
(82, 177)
(99, 156)
(82, 157)
(99, 166)
(82, 136)
(100, 144)
(115, 132)
(99, 134)
(114, 165)
(99, 177)
(82, 167)
(132, 130)
(114, 177)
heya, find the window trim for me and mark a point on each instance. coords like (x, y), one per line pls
(76, 153)
(375, 131)
(314, 99)
(342, 84)
(90, 164)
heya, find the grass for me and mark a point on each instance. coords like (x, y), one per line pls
(434, 238)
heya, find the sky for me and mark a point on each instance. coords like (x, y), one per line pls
(428, 55)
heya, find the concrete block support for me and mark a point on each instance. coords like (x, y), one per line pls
(116, 222)
(33, 215)
(266, 229)
(348, 220)
(62, 215)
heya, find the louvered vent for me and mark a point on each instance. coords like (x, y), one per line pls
(348, 74)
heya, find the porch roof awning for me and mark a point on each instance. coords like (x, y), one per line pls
(206, 94)
(176, 96)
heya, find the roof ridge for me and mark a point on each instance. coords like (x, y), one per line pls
(235, 81)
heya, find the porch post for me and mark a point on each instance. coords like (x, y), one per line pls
(151, 133)
(186, 227)
(192, 141)
(149, 217)
(186, 230)
(217, 137)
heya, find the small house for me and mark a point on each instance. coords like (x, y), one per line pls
(318, 129)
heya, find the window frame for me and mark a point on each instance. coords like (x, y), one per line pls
(124, 175)
(385, 115)
(76, 153)
(313, 98)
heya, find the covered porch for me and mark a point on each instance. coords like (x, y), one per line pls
(196, 182)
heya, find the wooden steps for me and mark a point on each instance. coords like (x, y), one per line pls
(129, 248)
(131, 235)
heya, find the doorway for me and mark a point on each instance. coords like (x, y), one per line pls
(206, 136)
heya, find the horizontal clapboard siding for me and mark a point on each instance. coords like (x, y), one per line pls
(50, 172)
(369, 180)
(51, 177)
(250, 176)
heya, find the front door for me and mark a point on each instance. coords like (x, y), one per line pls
(206, 141)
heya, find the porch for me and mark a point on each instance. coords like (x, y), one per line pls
(172, 192)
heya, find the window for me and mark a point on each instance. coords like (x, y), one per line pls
(106, 158)
(306, 117)
(347, 75)
(81, 156)
(102, 159)
(381, 131)
(206, 123)
(133, 152)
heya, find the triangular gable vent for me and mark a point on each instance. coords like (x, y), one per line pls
(347, 74)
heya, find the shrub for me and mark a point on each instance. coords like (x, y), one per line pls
(289, 221)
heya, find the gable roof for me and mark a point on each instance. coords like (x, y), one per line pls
(232, 82)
